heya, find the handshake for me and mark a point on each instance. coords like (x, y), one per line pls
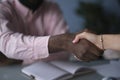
(83, 50)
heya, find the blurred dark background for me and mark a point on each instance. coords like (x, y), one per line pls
(98, 19)
(100, 16)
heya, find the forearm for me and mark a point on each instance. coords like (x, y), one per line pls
(110, 41)
(60, 42)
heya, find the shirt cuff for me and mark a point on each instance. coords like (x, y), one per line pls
(41, 47)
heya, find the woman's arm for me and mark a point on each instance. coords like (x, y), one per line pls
(105, 41)
(111, 41)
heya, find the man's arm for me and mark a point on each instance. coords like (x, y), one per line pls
(59, 42)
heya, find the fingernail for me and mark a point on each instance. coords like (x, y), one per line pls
(73, 41)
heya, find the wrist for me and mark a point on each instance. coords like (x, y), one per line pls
(67, 41)
(54, 44)
(100, 41)
(60, 42)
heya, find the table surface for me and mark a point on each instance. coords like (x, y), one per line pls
(13, 72)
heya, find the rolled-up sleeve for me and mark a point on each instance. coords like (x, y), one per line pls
(19, 46)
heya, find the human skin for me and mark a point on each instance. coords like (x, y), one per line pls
(107, 40)
(83, 50)
(109, 43)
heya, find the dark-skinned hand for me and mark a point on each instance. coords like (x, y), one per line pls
(83, 50)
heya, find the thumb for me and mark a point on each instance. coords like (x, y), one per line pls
(76, 39)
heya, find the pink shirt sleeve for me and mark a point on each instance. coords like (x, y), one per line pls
(19, 46)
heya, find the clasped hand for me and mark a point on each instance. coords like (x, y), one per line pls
(84, 50)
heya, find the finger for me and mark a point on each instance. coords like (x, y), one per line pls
(80, 36)
(97, 53)
(77, 38)
(85, 58)
(77, 58)
(81, 59)
(89, 57)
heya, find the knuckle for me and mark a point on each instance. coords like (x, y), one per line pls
(78, 36)
(84, 33)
